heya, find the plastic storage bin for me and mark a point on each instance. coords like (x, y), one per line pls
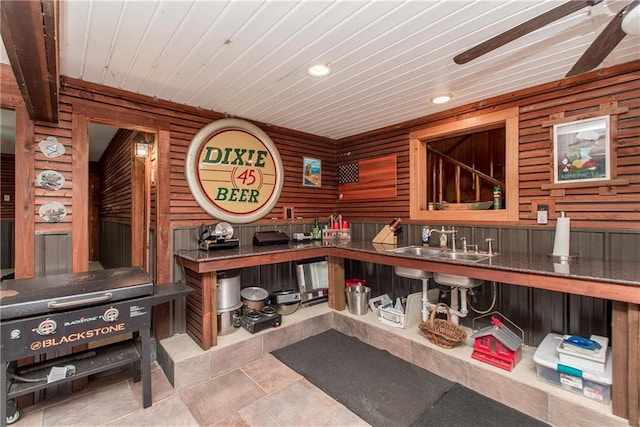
(411, 317)
(594, 385)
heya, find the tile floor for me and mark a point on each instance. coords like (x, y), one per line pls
(239, 383)
(264, 392)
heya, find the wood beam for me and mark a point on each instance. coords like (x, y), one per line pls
(30, 34)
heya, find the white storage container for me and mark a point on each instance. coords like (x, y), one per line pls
(410, 318)
(594, 385)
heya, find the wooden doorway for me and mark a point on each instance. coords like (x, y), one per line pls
(120, 172)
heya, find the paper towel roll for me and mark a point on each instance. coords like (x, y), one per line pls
(561, 267)
(561, 242)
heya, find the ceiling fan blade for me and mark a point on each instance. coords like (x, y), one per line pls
(523, 29)
(603, 44)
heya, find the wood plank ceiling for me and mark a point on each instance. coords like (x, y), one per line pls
(249, 58)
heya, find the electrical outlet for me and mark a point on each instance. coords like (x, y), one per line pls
(7, 197)
(543, 214)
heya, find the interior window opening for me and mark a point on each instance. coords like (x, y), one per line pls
(469, 166)
(467, 171)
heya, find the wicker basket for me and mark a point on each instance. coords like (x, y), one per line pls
(442, 332)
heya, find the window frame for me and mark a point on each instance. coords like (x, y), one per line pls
(419, 174)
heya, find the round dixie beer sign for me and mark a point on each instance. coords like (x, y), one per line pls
(234, 171)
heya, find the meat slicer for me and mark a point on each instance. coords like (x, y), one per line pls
(219, 236)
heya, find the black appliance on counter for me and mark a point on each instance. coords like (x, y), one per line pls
(264, 238)
(215, 237)
(53, 314)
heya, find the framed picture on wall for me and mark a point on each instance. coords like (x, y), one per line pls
(582, 151)
(311, 172)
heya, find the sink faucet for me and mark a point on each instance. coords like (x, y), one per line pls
(465, 246)
(443, 231)
(453, 232)
(490, 248)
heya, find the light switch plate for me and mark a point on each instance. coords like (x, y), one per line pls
(543, 214)
(7, 197)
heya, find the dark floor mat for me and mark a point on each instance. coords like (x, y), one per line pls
(462, 407)
(382, 389)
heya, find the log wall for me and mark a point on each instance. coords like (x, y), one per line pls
(596, 93)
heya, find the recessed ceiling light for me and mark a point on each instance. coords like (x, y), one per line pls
(441, 99)
(319, 70)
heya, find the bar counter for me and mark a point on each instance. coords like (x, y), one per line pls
(613, 280)
(618, 281)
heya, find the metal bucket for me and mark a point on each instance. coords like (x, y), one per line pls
(229, 320)
(358, 299)
(228, 288)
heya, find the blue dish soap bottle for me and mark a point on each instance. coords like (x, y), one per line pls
(425, 236)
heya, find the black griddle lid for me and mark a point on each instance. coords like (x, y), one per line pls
(21, 291)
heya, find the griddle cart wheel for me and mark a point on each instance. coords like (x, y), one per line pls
(12, 408)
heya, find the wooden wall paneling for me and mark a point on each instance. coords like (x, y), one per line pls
(336, 275)
(25, 178)
(633, 313)
(138, 209)
(184, 122)
(162, 313)
(63, 164)
(94, 211)
(307, 202)
(195, 312)
(591, 101)
(620, 351)
(80, 193)
(580, 95)
(116, 170)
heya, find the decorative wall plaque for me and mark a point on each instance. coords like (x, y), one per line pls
(234, 171)
(52, 212)
(50, 180)
(51, 147)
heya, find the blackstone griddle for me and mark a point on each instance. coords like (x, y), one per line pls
(48, 294)
(53, 314)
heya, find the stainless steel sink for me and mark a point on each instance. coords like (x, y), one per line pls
(425, 251)
(464, 256)
(457, 281)
(414, 273)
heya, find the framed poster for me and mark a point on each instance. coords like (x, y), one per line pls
(582, 151)
(311, 172)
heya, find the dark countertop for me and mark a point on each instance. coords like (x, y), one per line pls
(619, 272)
